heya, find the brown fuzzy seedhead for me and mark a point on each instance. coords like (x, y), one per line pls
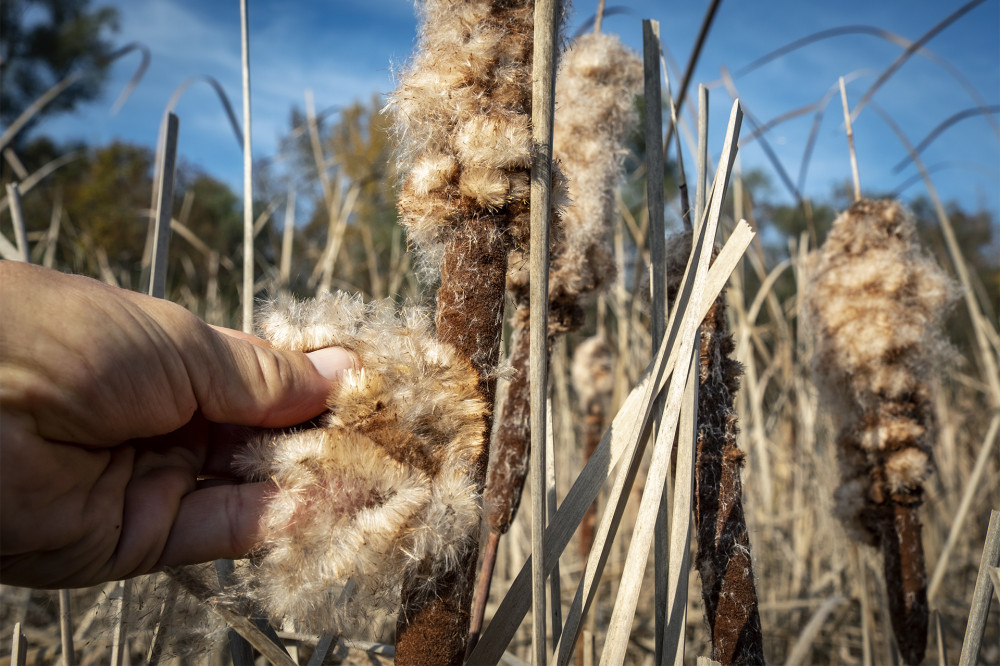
(462, 113)
(382, 491)
(723, 557)
(596, 87)
(877, 303)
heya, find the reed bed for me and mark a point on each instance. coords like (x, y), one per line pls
(783, 580)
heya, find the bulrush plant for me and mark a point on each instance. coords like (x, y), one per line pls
(381, 491)
(723, 556)
(462, 115)
(596, 85)
(877, 302)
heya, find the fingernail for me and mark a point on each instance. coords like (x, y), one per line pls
(332, 361)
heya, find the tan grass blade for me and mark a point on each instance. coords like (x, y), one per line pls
(617, 440)
(657, 268)
(35, 107)
(955, 73)
(164, 207)
(986, 452)
(910, 50)
(287, 234)
(17, 219)
(197, 243)
(551, 504)
(163, 620)
(133, 82)
(66, 628)
(679, 561)
(121, 600)
(699, 43)
(18, 646)
(52, 236)
(701, 164)
(28, 183)
(850, 140)
(801, 650)
(242, 625)
(631, 582)
(7, 249)
(982, 594)
(322, 648)
(939, 635)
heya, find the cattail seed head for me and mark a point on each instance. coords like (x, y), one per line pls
(382, 491)
(877, 303)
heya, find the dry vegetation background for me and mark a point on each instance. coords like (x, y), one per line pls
(822, 597)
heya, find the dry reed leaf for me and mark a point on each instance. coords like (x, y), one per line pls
(621, 436)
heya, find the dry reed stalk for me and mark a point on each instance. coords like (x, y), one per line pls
(19, 647)
(546, 31)
(982, 595)
(462, 113)
(164, 192)
(597, 81)
(287, 234)
(248, 258)
(66, 628)
(681, 336)
(17, 219)
(877, 303)
(621, 440)
(856, 179)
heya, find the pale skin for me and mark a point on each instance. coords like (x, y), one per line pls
(119, 418)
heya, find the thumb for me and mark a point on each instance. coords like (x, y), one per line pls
(252, 384)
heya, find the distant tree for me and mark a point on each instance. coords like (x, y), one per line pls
(357, 155)
(977, 235)
(108, 201)
(42, 41)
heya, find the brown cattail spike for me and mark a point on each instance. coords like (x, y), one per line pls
(462, 113)
(723, 557)
(877, 302)
(597, 83)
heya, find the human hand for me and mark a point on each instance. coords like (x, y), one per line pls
(112, 406)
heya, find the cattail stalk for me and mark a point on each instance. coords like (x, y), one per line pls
(463, 115)
(723, 556)
(877, 302)
(597, 81)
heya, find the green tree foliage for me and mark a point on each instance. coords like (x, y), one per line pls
(42, 41)
(354, 163)
(104, 200)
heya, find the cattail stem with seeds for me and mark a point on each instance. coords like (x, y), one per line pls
(463, 115)
(723, 556)
(597, 82)
(877, 301)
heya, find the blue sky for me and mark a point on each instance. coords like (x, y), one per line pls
(348, 50)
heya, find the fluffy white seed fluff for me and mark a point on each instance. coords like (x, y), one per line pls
(381, 491)
(877, 303)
